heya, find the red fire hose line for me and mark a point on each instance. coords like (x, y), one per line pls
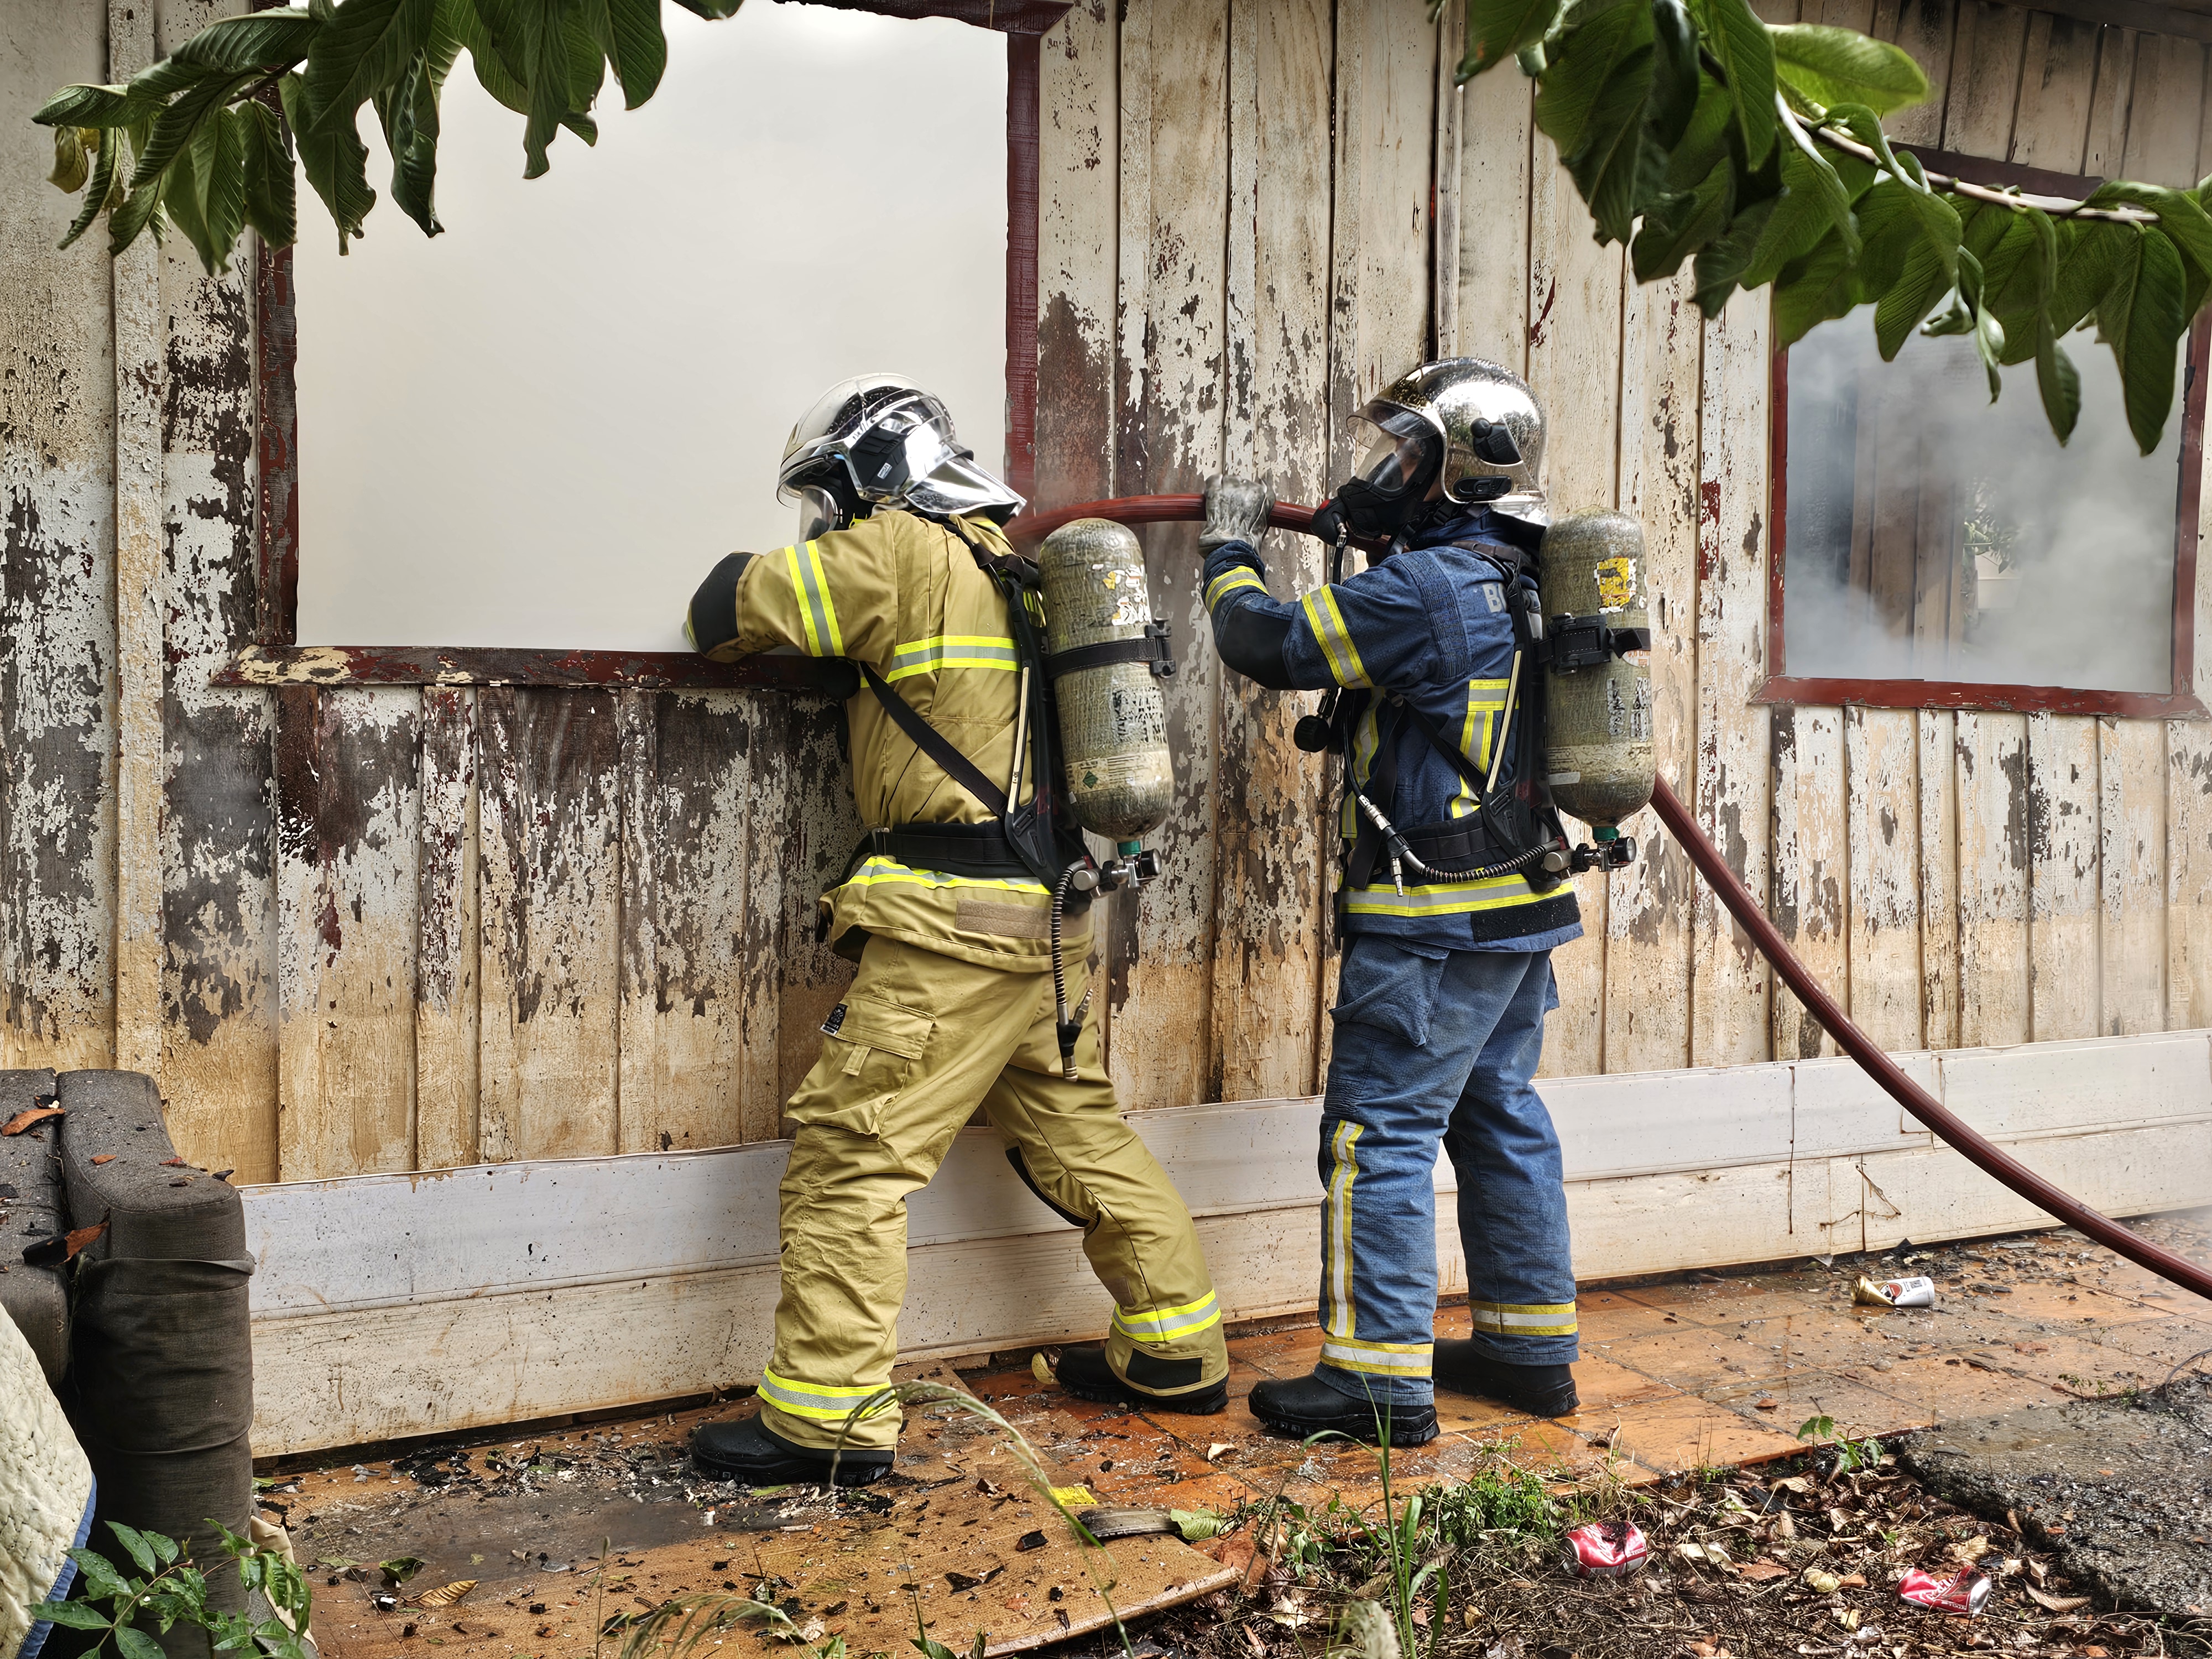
(1950, 1128)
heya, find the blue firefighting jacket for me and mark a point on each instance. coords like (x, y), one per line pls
(1430, 624)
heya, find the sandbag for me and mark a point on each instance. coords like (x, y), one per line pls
(160, 1385)
(46, 1495)
(35, 1298)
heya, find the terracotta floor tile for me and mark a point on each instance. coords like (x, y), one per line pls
(1465, 1414)
(2167, 1341)
(1601, 1382)
(2084, 1367)
(1858, 1407)
(1609, 1315)
(1688, 1433)
(1947, 1388)
(2065, 1305)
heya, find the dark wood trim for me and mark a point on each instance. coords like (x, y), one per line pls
(2143, 15)
(1981, 170)
(1024, 76)
(261, 666)
(2179, 702)
(276, 661)
(277, 447)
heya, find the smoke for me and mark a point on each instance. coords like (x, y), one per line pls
(1932, 537)
(544, 426)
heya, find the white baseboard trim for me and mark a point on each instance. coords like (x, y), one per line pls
(386, 1306)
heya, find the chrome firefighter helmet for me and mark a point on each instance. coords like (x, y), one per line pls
(1468, 424)
(880, 441)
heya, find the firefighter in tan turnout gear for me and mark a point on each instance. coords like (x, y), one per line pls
(902, 568)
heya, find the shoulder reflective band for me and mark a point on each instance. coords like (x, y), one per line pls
(952, 651)
(817, 613)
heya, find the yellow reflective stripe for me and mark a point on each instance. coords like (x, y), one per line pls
(1230, 580)
(1523, 1319)
(1464, 803)
(1167, 1324)
(1327, 624)
(1458, 898)
(823, 1402)
(1378, 1359)
(953, 651)
(817, 614)
(1337, 1219)
(879, 870)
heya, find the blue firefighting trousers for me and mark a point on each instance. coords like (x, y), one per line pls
(1438, 1045)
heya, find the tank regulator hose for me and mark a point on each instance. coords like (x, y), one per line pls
(1066, 1030)
(1992, 1160)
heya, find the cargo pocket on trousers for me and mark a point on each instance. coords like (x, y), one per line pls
(1389, 984)
(870, 1051)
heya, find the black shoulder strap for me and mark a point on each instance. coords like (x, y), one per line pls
(934, 744)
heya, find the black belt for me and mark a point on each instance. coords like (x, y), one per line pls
(980, 851)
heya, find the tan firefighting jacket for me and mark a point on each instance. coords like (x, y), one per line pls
(904, 595)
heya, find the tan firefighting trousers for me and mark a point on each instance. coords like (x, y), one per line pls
(922, 1040)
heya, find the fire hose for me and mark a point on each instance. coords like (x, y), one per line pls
(1729, 887)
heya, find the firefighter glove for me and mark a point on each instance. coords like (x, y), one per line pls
(1236, 510)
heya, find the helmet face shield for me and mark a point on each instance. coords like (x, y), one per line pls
(1402, 453)
(888, 442)
(819, 512)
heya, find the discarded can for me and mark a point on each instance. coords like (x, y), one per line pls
(1606, 1549)
(1966, 1591)
(1894, 1293)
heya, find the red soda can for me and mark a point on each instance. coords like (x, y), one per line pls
(1606, 1549)
(1964, 1591)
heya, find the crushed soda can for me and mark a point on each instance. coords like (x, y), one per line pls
(1606, 1549)
(1916, 1292)
(1964, 1591)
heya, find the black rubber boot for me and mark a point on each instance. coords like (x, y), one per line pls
(1303, 1406)
(745, 1449)
(1541, 1390)
(1084, 1373)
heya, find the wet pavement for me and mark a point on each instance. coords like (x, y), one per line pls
(1702, 1371)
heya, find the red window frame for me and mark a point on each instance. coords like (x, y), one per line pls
(276, 658)
(2177, 701)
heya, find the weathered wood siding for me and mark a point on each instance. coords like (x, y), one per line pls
(377, 930)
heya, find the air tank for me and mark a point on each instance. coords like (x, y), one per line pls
(1113, 719)
(1597, 688)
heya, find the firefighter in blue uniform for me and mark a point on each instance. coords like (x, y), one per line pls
(1433, 698)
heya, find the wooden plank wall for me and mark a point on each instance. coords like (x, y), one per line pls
(376, 930)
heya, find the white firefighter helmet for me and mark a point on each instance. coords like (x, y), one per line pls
(1471, 423)
(881, 440)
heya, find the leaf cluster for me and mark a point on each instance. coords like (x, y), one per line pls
(217, 133)
(168, 1589)
(1754, 152)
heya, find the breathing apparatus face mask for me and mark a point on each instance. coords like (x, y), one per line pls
(1386, 492)
(825, 503)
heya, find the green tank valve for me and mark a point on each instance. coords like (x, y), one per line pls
(1605, 831)
(1128, 849)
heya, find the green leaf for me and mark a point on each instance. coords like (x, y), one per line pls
(263, 41)
(217, 162)
(1815, 173)
(336, 162)
(1899, 312)
(629, 33)
(1830, 66)
(136, 1644)
(1496, 29)
(2057, 379)
(1676, 227)
(931, 1648)
(165, 1548)
(366, 49)
(101, 1578)
(71, 166)
(1745, 52)
(1989, 344)
(90, 107)
(2140, 318)
(177, 125)
(409, 112)
(272, 205)
(1197, 1525)
(134, 1541)
(1720, 264)
(75, 1615)
(1607, 160)
(1599, 36)
(2179, 214)
(1705, 142)
(1675, 81)
(2092, 255)
(531, 41)
(107, 176)
(153, 85)
(1814, 289)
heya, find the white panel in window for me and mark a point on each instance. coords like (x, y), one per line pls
(544, 426)
(1932, 537)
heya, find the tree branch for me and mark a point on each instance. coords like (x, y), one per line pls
(2058, 207)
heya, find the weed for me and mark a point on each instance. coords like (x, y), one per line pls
(1850, 1454)
(174, 1591)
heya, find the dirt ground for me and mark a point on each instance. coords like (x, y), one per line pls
(1694, 1390)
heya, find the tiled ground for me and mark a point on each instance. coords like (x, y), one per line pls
(1705, 1370)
